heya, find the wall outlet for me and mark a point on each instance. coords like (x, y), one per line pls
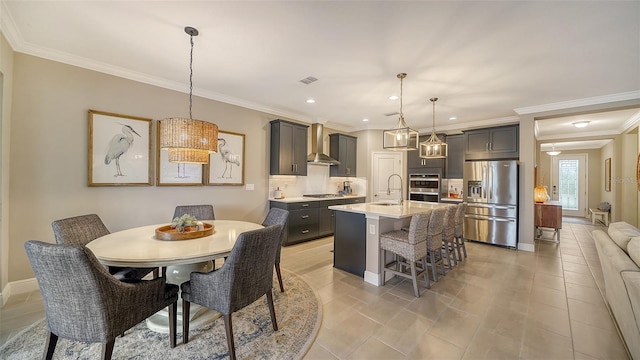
(372, 229)
(249, 187)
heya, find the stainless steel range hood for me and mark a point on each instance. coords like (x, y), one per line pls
(317, 146)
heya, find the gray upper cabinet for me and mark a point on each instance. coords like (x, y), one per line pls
(414, 161)
(492, 143)
(344, 149)
(288, 148)
(455, 156)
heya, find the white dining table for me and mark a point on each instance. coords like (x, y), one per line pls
(138, 247)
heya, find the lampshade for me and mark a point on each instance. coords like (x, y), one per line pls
(581, 124)
(540, 194)
(402, 137)
(553, 151)
(187, 140)
(433, 147)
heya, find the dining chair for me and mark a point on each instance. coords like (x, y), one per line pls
(459, 230)
(245, 277)
(80, 230)
(280, 217)
(200, 212)
(91, 305)
(449, 236)
(434, 241)
(409, 248)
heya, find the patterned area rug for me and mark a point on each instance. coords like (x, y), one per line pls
(298, 312)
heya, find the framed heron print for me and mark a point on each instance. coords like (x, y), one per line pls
(226, 167)
(119, 150)
(173, 174)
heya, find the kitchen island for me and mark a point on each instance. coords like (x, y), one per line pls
(357, 234)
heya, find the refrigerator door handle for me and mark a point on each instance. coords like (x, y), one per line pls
(491, 218)
(490, 180)
(499, 207)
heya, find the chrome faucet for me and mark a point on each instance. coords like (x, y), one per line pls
(389, 186)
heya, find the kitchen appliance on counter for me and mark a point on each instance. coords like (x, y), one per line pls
(346, 188)
(424, 187)
(491, 191)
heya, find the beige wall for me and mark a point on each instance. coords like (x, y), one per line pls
(624, 179)
(49, 154)
(6, 68)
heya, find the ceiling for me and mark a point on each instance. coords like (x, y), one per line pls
(483, 60)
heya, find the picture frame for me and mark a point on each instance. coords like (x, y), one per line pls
(607, 174)
(226, 167)
(119, 150)
(172, 174)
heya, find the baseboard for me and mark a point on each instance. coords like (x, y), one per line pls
(17, 288)
(372, 278)
(526, 247)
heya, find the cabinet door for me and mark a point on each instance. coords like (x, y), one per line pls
(455, 157)
(344, 149)
(415, 161)
(351, 149)
(299, 150)
(504, 140)
(477, 142)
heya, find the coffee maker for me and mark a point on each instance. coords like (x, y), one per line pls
(346, 187)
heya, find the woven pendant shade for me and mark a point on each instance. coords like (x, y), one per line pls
(188, 140)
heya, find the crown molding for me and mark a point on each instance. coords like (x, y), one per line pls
(632, 95)
(632, 122)
(580, 135)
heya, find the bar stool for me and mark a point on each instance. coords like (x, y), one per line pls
(462, 209)
(449, 236)
(411, 247)
(434, 241)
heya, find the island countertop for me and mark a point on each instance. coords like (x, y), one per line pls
(389, 210)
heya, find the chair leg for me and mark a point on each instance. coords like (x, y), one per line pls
(279, 277)
(446, 253)
(229, 329)
(452, 248)
(107, 349)
(426, 273)
(272, 310)
(414, 279)
(173, 319)
(441, 262)
(458, 246)
(185, 321)
(464, 247)
(50, 346)
(432, 265)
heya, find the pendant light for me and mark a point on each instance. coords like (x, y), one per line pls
(553, 151)
(433, 147)
(402, 137)
(187, 140)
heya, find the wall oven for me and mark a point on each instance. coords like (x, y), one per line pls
(424, 187)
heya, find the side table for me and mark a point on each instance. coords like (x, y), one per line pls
(548, 215)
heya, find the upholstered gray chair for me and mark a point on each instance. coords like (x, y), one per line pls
(81, 230)
(83, 302)
(409, 249)
(277, 216)
(245, 277)
(459, 231)
(449, 236)
(434, 241)
(200, 212)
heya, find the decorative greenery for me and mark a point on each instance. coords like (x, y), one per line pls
(183, 221)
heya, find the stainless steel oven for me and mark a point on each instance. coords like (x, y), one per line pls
(424, 187)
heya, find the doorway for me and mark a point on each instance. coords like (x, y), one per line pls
(569, 183)
(385, 164)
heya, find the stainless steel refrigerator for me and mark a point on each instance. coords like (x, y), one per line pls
(492, 198)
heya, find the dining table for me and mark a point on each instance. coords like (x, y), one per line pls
(139, 247)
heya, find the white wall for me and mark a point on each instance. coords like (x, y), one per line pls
(625, 179)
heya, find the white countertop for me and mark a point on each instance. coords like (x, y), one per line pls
(390, 211)
(306, 199)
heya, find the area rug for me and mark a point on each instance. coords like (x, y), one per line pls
(298, 312)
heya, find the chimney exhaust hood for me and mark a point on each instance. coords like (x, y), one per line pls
(317, 146)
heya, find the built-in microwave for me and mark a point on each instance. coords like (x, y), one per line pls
(424, 187)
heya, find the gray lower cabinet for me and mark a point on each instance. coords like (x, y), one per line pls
(349, 242)
(311, 219)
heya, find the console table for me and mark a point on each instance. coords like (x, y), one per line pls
(548, 215)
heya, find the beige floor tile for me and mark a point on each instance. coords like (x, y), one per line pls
(456, 327)
(580, 279)
(549, 296)
(590, 314)
(549, 318)
(549, 281)
(374, 349)
(429, 305)
(574, 259)
(597, 342)
(539, 344)
(317, 352)
(404, 331)
(585, 293)
(492, 346)
(347, 335)
(507, 323)
(383, 308)
(577, 268)
(435, 348)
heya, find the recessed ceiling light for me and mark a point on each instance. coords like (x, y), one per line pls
(394, 97)
(365, 119)
(311, 101)
(581, 124)
(453, 118)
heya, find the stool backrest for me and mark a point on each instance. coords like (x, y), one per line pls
(419, 227)
(436, 227)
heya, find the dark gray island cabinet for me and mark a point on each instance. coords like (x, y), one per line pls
(349, 242)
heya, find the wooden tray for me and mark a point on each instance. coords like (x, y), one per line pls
(169, 233)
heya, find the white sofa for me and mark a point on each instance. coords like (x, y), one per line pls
(619, 253)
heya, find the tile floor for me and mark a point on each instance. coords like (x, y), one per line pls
(498, 304)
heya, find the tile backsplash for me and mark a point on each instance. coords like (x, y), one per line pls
(317, 181)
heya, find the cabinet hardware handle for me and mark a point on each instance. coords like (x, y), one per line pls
(304, 217)
(293, 169)
(304, 205)
(304, 231)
